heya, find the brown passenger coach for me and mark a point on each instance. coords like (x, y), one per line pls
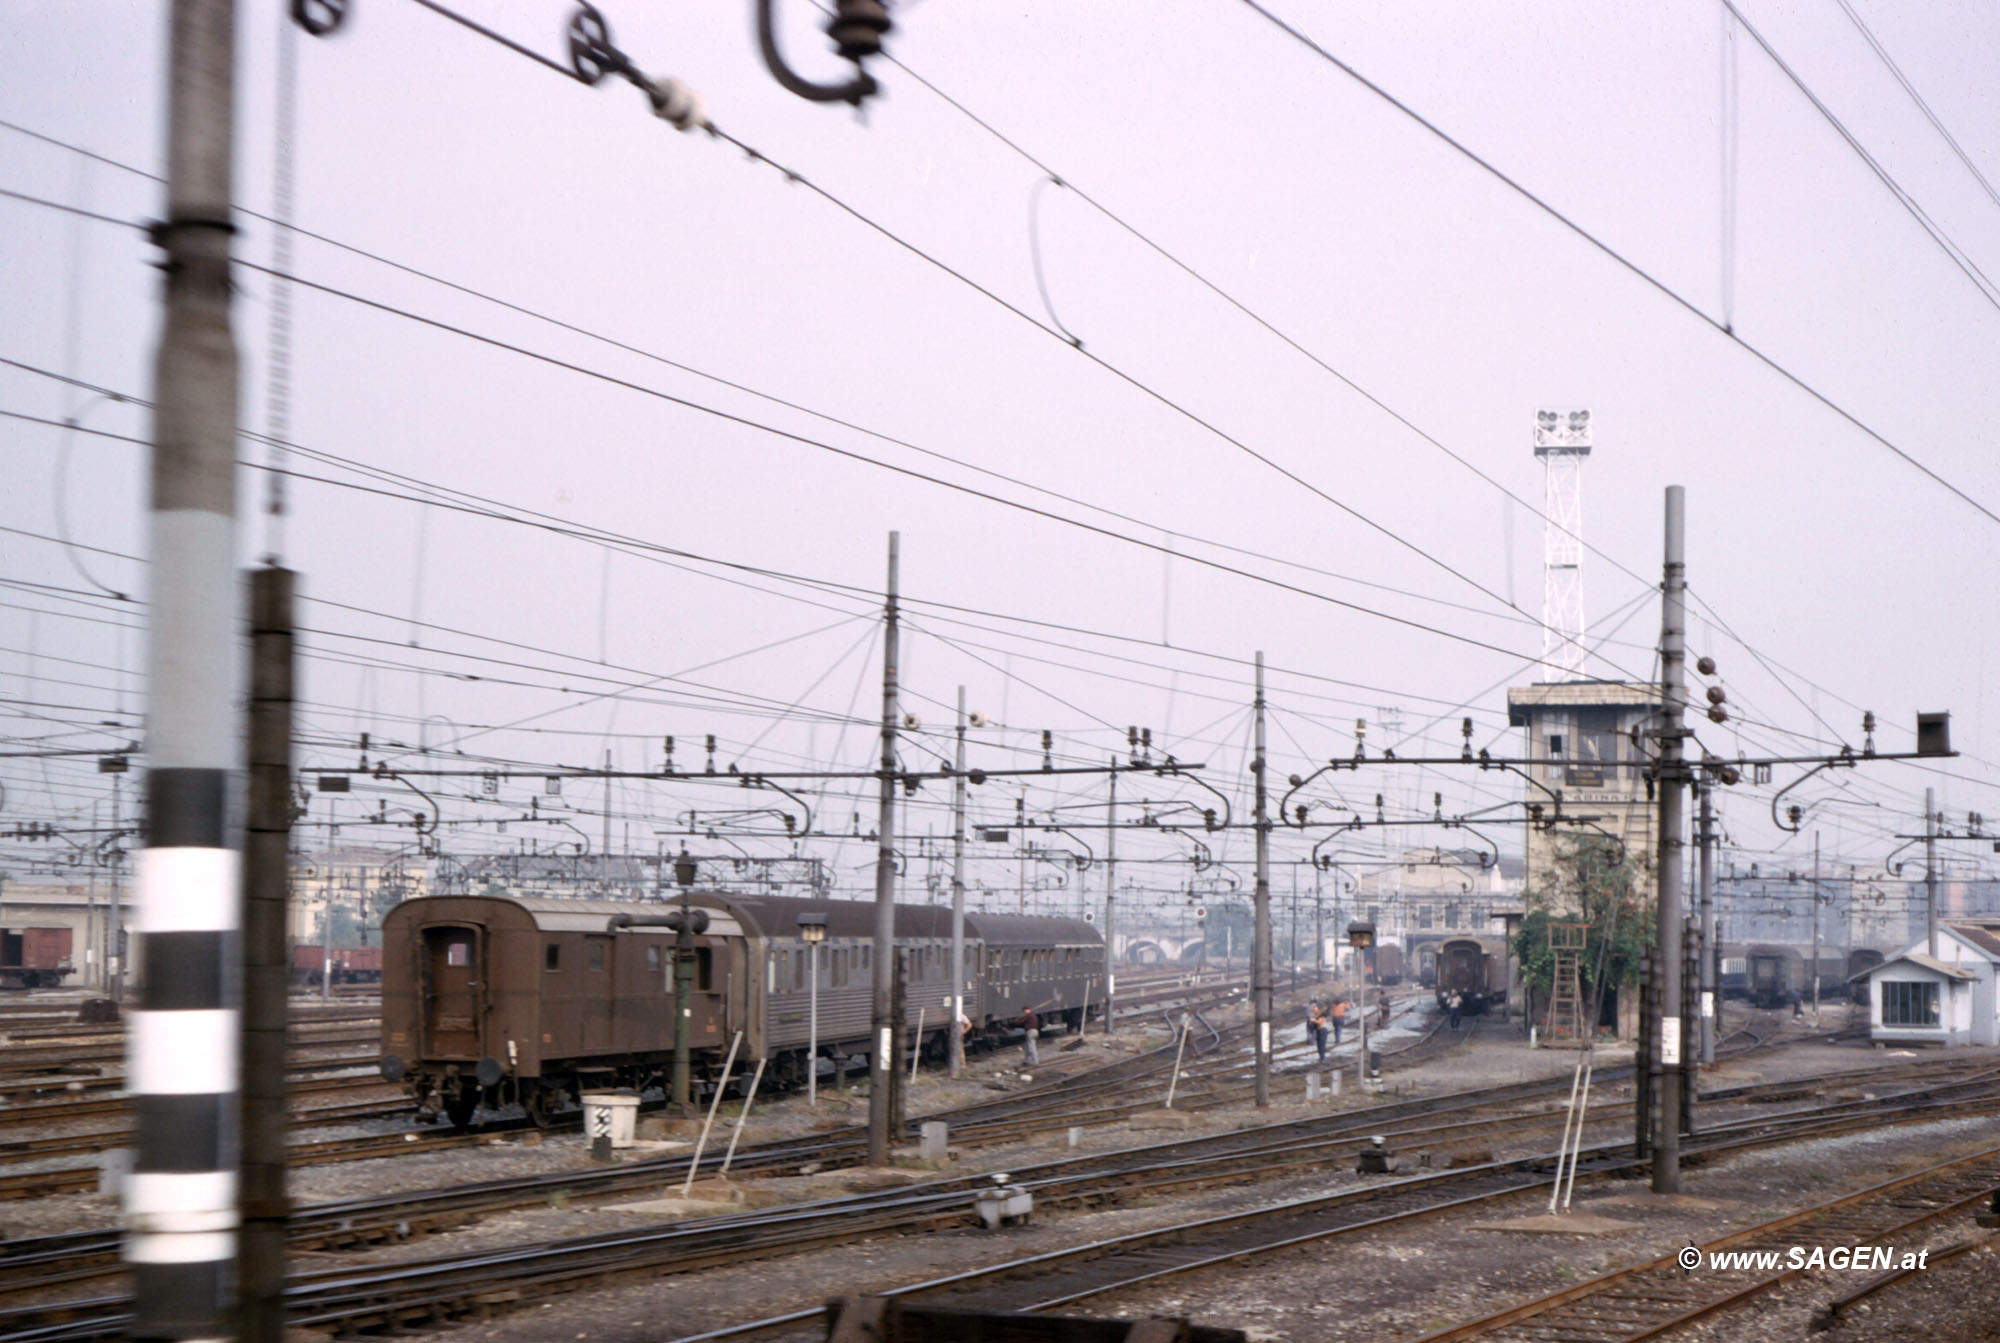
(502, 1000)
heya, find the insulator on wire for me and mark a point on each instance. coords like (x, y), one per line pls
(677, 104)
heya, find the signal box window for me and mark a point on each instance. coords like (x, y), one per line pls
(552, 956)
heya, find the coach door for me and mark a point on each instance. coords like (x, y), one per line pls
(600, 990)
(451, 991)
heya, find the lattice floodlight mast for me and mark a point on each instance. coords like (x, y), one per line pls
(1562, 441)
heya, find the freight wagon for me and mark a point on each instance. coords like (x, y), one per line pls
(34, 958)
(350, 965)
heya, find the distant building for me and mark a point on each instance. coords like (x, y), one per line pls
(1580, 740)
(1429, 894)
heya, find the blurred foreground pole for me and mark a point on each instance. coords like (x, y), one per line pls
(182, 1045)
(1111, 907)
(260, 1257)
(955, 1032)
(1673, 781)
(882, 1056)
(1705, 867)
(1260, 942)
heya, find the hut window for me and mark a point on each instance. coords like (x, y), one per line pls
(1906, 1004)
(552, 956)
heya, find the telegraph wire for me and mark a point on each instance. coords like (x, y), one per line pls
(1129, 379)
(1965, 264)
(1918, 99)
(615, 343)
(1637, 271)
(937, 606)
(794, 176)
(806, 440)
(1255, 317)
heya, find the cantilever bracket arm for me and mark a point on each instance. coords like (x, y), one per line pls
(1485, 860)
(1228, 812)
(1777, 817)
(1285, 802)
(853, 91)
(382, 771)
(759, 781)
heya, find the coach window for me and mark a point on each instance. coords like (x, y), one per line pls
(799, 971)
(704, 969)
(552, 956)
(596, 954)
(458, 953)
(652, 958)
(837, 970)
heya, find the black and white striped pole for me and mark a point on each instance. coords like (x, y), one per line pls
(182, 1043)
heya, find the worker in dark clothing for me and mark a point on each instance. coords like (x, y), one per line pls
(1032, 1037)
(1798, 1005)
(1316, 1027)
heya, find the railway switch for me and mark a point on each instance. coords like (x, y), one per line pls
(1004, 1203)
(1375, 1158)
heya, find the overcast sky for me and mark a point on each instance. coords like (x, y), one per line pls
(1332, 435)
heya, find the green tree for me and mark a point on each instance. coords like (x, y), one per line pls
(1589, 882)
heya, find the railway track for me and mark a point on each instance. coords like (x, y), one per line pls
(452, 1284)
(1138, 1262)
(1645, 1300)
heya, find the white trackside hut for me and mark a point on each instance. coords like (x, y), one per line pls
(1951, 998)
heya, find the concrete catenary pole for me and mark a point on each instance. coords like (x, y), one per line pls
(881, 1057)
(953, 1030)
(1111, 907)
(260, 1257)
(1930, 873)
(1709, 947)
(1260, 968)
(182, 1043)
(1814, 972)
(114, 960)
(1673, 694)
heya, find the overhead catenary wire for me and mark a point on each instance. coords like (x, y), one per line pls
(1660, 286)
(733, 385)
(1957, 255)
(1882, 52)
(792, 175)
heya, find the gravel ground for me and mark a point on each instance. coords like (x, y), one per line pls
(1398, 1284)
